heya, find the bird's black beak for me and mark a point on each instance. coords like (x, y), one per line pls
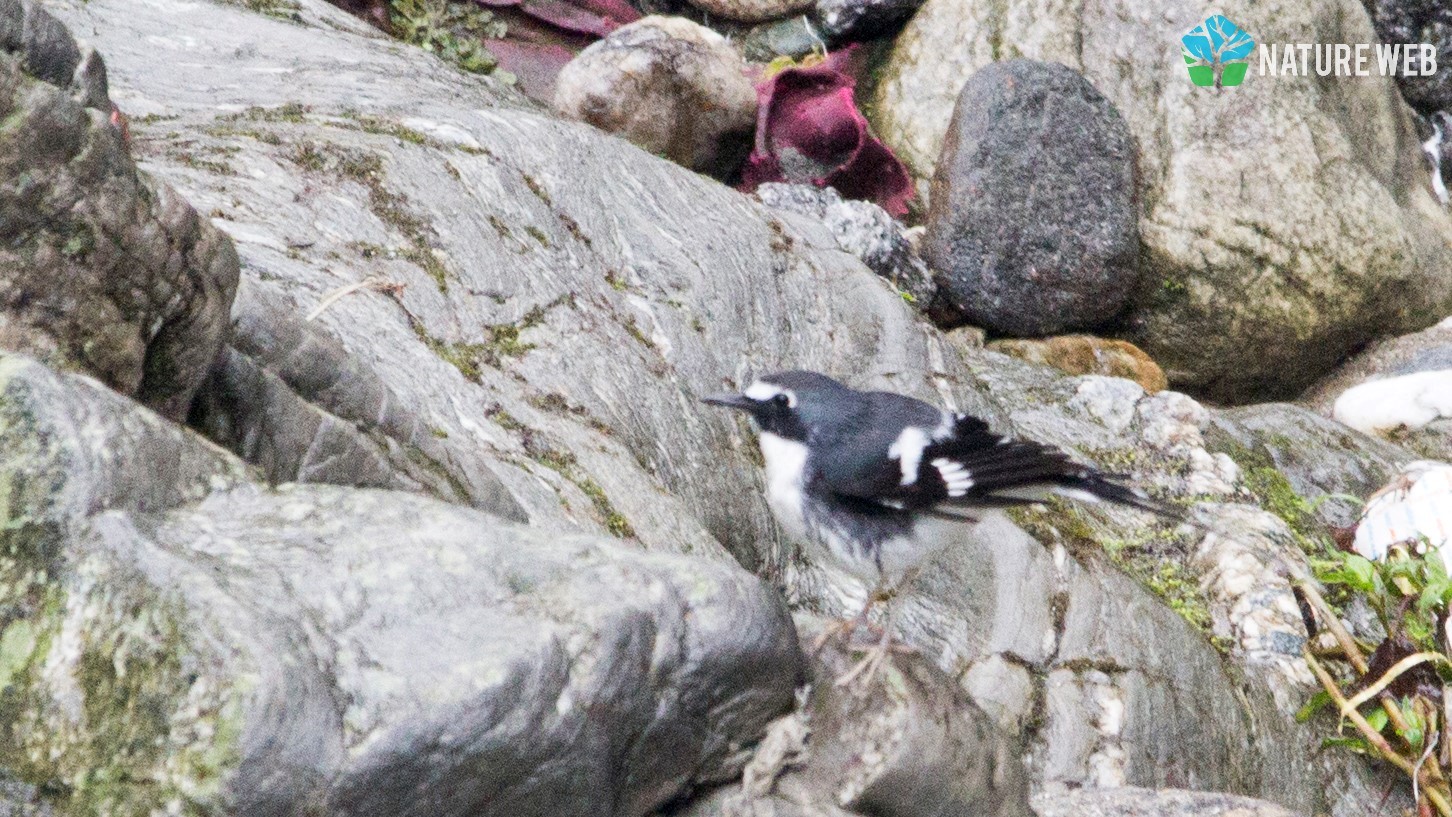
(735, 401)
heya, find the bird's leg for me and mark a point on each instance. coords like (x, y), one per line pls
(867, 668)
(846, 627)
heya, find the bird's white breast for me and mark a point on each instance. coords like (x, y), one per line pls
(786, 465)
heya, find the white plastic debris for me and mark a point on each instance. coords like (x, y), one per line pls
(1414, 508)
(1410, 401)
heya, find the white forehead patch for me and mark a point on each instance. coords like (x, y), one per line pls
(762, 392)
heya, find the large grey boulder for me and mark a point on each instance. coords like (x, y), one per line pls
(1033, 221)
(182, 638)
(1285, 223)
(107, 272)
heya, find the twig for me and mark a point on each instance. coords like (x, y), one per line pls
(1431, 745)
(372, 283)
(1392, 673)
(1374, 737)
(1352, 651)
(1333, 625)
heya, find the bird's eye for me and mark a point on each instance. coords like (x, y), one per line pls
(782, 400)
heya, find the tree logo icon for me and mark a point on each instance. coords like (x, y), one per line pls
(1217, 52)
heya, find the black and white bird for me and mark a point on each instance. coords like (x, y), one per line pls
(857, 473)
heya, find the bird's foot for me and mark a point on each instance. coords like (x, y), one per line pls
(861, 674)
(844, 629)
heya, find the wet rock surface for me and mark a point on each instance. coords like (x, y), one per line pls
(111, 273)
(860, 19)
(1033, 224)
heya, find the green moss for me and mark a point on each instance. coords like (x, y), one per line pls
(196, 162)
(499, 226)
(466, 357)
(80, 241)
(615, 522)
(536, 188)
(504, 341)
(387, 127)
(391, 208)
(308, 156)
(292, 112)
(279, 9)
(503, 419)
(616, 281)
(557, 403)
(426, 259)
(538, 235)
(1274, 494)
(226, 131)
(452, 30)
(565, 464)
(634, 330)
(1142, 555)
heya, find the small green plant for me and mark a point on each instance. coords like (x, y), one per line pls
(452, 30)
(1394, 696)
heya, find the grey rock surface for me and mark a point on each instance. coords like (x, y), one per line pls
(861, 228)
(1284, 223)
(288, 398)
(1138, 802)
(675, 88)
(911, 742)
(110, 273)
(549, 304)
(1417, 22)
(751, 11)
(793, 37)
(1033, 222)
(1289, 452)
(346, 651)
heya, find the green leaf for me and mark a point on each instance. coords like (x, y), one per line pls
(1361, 573)
(1319, 701)
(1416, 727)
(1377, 719)
(1357, 744)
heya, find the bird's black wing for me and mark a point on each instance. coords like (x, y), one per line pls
(970, 465)
(984, 469)
(863, 460)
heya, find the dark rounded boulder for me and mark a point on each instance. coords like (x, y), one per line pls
(1033, 223)
(1415, 22)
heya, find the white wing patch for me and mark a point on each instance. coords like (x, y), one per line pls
(954, 475)
(907, 449)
